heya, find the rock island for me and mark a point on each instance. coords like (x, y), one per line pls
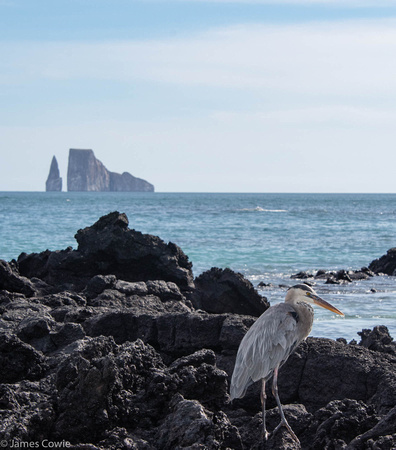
(86, 173)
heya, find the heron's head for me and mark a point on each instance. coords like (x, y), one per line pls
(303, 292)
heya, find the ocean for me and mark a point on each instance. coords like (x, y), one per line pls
(266, 237)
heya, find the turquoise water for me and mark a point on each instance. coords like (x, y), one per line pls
(267, 237)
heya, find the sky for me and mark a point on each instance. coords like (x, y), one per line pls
(202, 95)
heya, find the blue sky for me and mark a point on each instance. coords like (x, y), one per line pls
(202, 96)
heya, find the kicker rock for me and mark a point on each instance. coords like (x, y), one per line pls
(54, 181)
(86, 173)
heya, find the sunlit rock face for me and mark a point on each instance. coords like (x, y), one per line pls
(86, 173)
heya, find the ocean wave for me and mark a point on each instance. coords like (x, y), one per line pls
(260, 209)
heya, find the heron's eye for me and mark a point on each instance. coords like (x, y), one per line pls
(308, 294)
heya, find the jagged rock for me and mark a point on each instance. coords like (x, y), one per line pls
(250, 427)
(321, 274)
(199, 378)
(265, 285)
(130, 255)
(378, 339)
(98, 284)
(54, 180)
(126, 362)
(129, 386)
(340, 421)
(19, 361)
(333, 280)
(336, 371)
(224, 291)
(26, 411)
(67, 334)
(386, 264)
(36, 332)
(109, 247)
(381, 436)
(343, 276)
(10, 280)
(15, 308)
(190, 425)
(64, 298)
(86, 173)
(302, 275)
(363, 274)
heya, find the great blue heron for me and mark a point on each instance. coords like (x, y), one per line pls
(270, 341)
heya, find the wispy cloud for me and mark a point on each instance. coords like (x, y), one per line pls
(344, 58)
(329, 116)
(328, 86)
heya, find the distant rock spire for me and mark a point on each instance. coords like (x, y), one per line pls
(54, 181)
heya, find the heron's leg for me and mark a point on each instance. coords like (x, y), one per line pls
(263, 399)
(283, 421)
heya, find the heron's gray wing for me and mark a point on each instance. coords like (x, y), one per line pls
(266, 345)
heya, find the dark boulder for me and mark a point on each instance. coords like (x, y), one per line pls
(12, 281)
(114, 355)
(36, 330)
(225, 291)
(190, 425)
(363, 274)
(340, 422)
(302, 275)
(98, 284)
(341, 277)
(129, 386)
(386, 264)
(109, 247)
(16, 308)
(378, 339)
(19, 361)
(26, 412)
(381, 436)
(344, 276)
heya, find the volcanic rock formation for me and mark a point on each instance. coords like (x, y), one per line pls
(54, 181)
(386, 264)
(110, 347)
(86, 173)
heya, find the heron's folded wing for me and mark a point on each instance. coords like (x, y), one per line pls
(266, 345)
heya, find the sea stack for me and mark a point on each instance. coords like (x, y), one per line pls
(86, 173)
(54, 181)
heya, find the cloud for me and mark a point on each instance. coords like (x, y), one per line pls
(334, 116)
(284, 107)
(344, 58)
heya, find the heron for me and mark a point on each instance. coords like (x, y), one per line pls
(270, 341)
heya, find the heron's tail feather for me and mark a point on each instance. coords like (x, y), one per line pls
(239, 386)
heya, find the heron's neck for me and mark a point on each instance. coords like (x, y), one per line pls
(306, 315)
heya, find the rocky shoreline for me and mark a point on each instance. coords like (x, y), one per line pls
(115, 345)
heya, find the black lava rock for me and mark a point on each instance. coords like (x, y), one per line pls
(386, 264)
(222, 290)
(112, 346)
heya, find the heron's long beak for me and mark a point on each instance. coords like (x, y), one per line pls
(320, 302)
